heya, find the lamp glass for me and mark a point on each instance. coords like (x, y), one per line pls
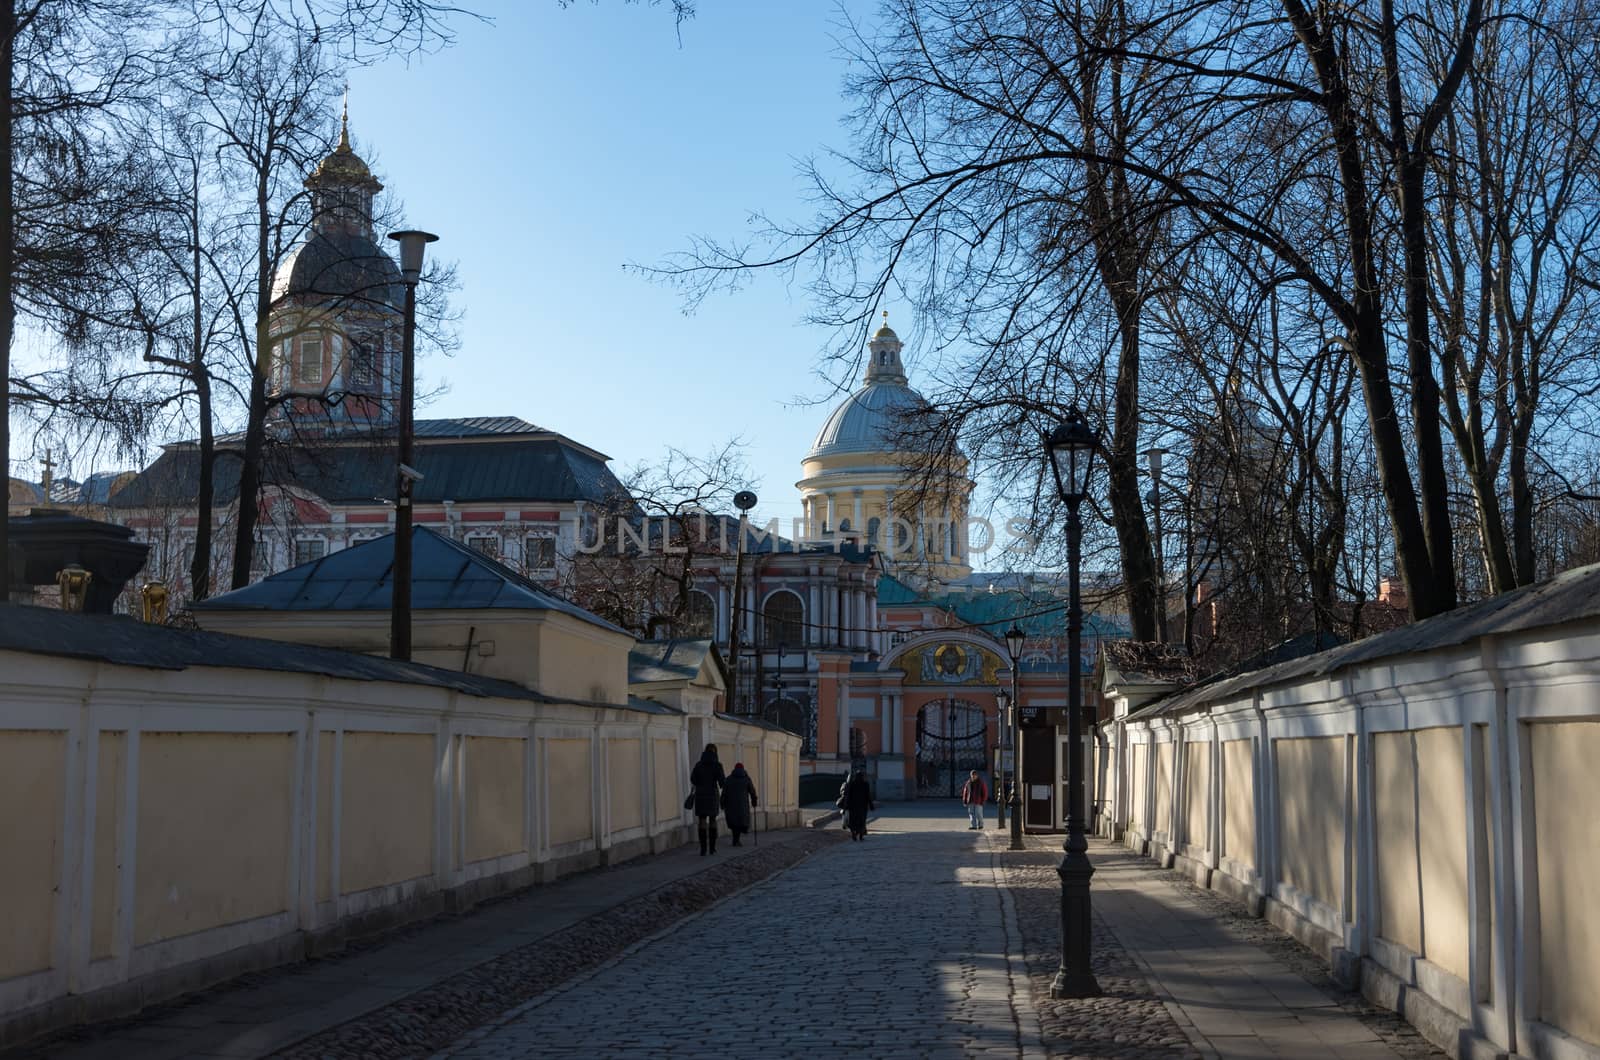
(412, 246)
(1014, 641)
(1071, 448)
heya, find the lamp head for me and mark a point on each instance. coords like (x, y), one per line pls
(1071, 447)
(412, 244)
(1014, 641)
(73, 581)
(1154, 455)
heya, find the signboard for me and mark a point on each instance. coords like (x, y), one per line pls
(1039, 792)
(1034, 717)
(1003, 757)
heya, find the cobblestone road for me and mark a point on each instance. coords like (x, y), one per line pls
(893, 947)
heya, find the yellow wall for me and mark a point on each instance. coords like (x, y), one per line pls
(1239, 807)
(664, 763)
(32, 804)
(494, 790)
(213, 830)
(1139, 777)
(386, 831)
(1164, 759)
(571, 809)
(625, 771)
(1311, 816)
(108, 821)
(325, 755)
(1414, 771)
(1566, 805)
(1196, 791)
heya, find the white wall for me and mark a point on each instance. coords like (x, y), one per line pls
(166, 829)
(1425, 822)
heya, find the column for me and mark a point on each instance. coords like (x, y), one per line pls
(844, 719)
(897, 721)
(812, 634)
(833, 518)
(847, 613)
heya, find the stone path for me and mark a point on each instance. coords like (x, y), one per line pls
(267, 1012)
(926, 941)
(888, 948)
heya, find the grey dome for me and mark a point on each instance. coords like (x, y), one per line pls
(340, 265)
(871, 420)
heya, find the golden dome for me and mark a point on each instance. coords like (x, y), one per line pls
(344, 166)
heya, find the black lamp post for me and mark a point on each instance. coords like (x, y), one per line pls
(412, 245)
(1015, 639)
(1071, 447)
(744, 500)
(1002, 699)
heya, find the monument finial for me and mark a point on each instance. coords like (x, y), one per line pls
(344, 120)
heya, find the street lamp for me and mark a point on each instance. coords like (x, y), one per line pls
(1154, 455)
(1071, 447)
(744, 500)
(1015, 638)
(1002, 698)
(412, 246)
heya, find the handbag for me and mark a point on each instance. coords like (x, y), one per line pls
(688, 803)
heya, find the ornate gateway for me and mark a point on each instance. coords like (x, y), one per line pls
(952, 740)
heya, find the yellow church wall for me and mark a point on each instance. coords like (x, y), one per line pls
(494, 789)
(386, 834)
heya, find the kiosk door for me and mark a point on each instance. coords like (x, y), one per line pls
(1039, 757)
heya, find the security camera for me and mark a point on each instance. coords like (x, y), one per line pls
(409, 473)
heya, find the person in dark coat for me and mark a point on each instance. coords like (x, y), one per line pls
(707, 779)
(738, 796)
(856, 801)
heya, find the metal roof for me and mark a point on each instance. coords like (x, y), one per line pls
(653, 661)
(1568, 597)
(445, 575)
(499, 465)
(125, 642)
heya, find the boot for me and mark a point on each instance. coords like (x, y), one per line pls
(703, 839)
(713, 832)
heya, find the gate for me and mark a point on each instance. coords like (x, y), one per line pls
(952, 741)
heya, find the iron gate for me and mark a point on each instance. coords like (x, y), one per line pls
(952, 741)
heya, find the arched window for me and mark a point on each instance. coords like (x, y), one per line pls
(699, 616)
(873, 525)
(784, 617)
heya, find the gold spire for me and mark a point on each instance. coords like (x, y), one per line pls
(343, 164)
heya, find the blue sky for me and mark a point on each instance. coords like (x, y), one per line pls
(554, 146)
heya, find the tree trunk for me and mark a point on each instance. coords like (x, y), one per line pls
(255, 431)
(200, 565)
(8, 262)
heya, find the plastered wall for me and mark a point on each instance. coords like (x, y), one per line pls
(1310, 797)
(1565, 757)
(1238, 801)
(1196, 793)
(495, 820)
(214, 819)
(32, 790)
(186, 818)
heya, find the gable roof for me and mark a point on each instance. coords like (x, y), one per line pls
(660, 661)
(445, 575)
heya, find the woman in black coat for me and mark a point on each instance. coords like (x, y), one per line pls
(707, 779)
(738, 796)
(856, 800)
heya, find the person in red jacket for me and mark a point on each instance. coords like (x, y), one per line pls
(974, 794)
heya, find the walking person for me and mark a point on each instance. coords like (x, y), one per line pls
(707, 779)
(973, 795)
(738, 797)
(856, 800)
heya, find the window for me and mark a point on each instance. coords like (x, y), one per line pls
(309, 550)
(485, 544)
(362, 371)
(539, 553)
(784, 617)
(309, 368)
(699, 616)
(872, 530)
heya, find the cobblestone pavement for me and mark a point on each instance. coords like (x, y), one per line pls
(895, 947)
